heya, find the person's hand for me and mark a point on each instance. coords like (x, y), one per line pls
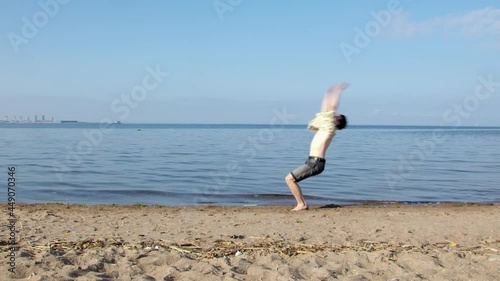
(338, 87)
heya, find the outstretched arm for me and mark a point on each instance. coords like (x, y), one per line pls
(332, 97)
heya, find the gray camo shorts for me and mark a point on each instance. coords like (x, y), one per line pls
(313, 166)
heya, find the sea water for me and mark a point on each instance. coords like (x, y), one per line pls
(176, 164)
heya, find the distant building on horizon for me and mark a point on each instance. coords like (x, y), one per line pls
(20, 119)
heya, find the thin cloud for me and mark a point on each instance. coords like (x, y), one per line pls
(483, 24)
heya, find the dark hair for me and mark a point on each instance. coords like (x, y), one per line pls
(340, 122)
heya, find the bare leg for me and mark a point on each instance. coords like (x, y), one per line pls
(297, 193)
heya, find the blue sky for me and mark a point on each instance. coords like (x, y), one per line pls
(233, 61)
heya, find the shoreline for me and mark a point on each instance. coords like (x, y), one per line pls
(339, 203)
(459, 241)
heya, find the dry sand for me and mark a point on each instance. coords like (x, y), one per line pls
(394, 242)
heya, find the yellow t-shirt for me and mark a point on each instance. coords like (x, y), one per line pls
(324, 121)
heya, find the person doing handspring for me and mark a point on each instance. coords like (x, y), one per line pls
(324, 125)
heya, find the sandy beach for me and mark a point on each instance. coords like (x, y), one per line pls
(391, 242)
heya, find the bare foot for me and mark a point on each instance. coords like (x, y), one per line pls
(301, 207)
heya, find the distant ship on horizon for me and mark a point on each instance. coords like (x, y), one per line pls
(76, 121)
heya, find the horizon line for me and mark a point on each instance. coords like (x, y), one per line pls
(248, 124)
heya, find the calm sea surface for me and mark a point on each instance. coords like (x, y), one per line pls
(246, 164)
